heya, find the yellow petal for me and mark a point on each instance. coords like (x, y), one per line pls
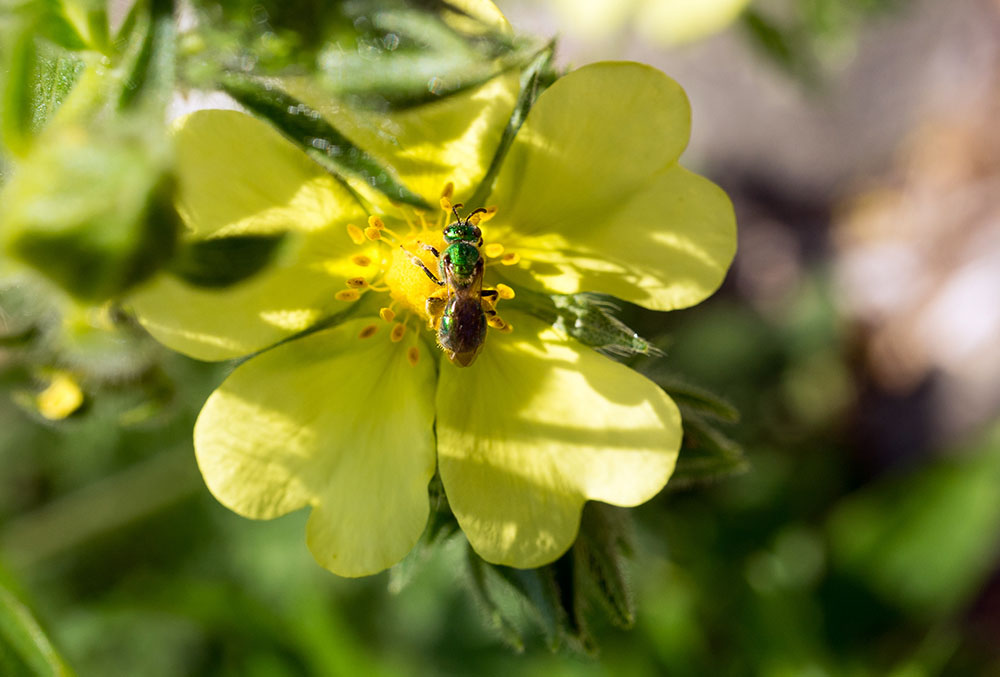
(238, 176)
(678, 21)
(483, 11)
(536, 427)
(453, 139)
(666, 247)
(591, 140)
(341, 423)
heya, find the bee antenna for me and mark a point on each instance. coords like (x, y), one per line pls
(454, 210)
(473, 213)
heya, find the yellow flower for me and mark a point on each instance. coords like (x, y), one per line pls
(353, 420)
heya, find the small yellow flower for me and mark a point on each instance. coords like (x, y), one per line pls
(354, 419)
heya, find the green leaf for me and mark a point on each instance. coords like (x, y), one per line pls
(598, 557)
(224, 261)
(539, 590)
(695, 398)
(92, 211)
(707, 455)
(319, 139)
(479, 572)
(21, 59)
(21, 633)
(151, 76)
(535, 78)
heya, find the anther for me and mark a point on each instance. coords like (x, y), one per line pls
(355, 233)
(445, 203)
(449, 190)
(496, 322)
(510, 258)
(507, 328)
(505, 292)
(376, 222)
(493, 249)
(368, 331)
(373, 233)
(487, 214)
(357, 282)
(360, 259)
(347, 295)
(398, 330)
(387, 314)
(413, 356)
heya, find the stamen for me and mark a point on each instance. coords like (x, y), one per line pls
(507, 328)
(510, 258)
(387, 314)
(398, 331)
(505, 292)
(413, 355)
(449, 190)
(496, 322)
(355, 233)
(488, 214)
(360, 259)
(347, 295)
(368, 331)
(445, 203)
(373, 233)
(493, 249)
(357, 282)
(376, 222)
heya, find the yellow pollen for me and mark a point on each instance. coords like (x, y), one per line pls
(505, 292)
(368, 331)
(510, 258)
(376, 222)
(449, 190)
(373, 233)
(60, 399)
(413, 356)
(493, 250)
(356, 234)
(357, 282)
(398, 330)
(347, 295)
(409, 284)
(387, 314)
(360, 259)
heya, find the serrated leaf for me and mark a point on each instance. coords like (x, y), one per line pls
(24, 636)
(224, 261)
(319, 139)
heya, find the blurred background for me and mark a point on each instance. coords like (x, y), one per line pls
(858, 334)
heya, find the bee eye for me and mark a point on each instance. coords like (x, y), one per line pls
(477, 233)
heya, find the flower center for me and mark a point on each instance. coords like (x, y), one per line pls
(434, 272)
(408, 283)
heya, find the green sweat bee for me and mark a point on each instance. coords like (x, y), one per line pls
(459, 314)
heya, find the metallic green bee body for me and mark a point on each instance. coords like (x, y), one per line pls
(461, 322)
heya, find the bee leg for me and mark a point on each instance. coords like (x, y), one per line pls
(431, 249)
(435, 305)
(417, 262)
(490, 294)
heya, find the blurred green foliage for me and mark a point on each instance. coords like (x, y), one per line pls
(112, 548)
